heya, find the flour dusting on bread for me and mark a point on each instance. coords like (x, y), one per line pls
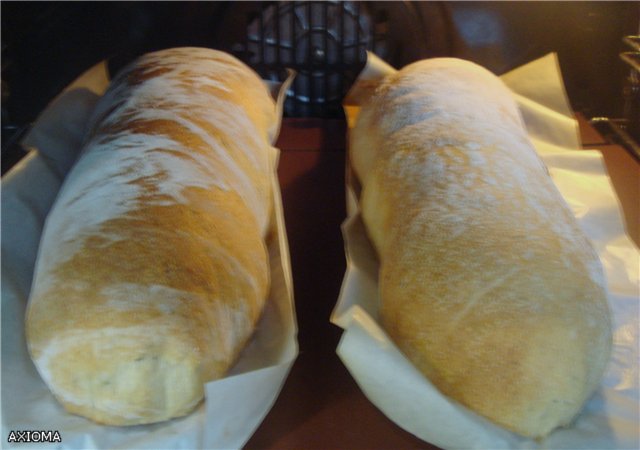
(153, 270)
(487, 283)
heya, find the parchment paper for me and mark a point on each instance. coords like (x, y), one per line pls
(234, 406)
(388, 379)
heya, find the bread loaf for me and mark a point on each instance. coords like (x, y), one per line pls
(153, 269)
(487, 284)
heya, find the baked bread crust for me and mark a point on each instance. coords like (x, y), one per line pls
(153, 270)
(487, 283)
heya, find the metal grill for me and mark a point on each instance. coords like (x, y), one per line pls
(325, 42)
(626, 131)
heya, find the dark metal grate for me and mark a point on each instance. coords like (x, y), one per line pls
(325, 42)
(625, 131)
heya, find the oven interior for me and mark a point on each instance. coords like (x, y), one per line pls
(45, 45)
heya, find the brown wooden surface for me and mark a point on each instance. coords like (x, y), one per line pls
(320, 405)
(588, 134)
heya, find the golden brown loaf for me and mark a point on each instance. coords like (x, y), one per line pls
(487, 284)
(153, 270)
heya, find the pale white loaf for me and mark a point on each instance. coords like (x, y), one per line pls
(487, 283)
(152, 270)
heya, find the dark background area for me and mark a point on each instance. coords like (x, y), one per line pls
(45, 45)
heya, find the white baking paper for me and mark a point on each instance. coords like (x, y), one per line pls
(388, 379)
(233, 407)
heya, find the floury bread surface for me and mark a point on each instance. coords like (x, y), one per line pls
(153, 270)
(487, 284)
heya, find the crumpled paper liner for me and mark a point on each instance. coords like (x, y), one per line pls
(234, 406)
(389, 380)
